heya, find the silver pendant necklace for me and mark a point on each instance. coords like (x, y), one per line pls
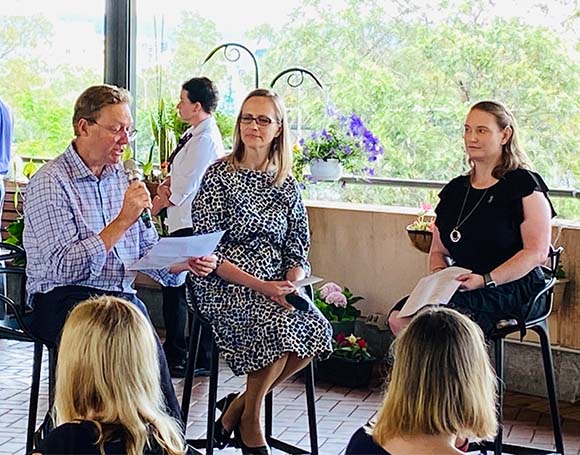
(455, 235)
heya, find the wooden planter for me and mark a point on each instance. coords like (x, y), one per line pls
(345, 372)
(420, 239)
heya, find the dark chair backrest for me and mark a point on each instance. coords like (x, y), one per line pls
(13, 293)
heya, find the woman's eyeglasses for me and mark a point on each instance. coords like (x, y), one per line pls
(261, 120)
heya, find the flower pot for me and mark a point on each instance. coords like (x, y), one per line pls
(345, 372)
(559, 293)
(325, 170)
(151, 187)
(420, 239)
(346, 327)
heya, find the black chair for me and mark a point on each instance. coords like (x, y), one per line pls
(197, 322)
(14, 326)
(540, 326)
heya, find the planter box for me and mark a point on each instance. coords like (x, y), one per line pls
(420, 239)
(346, 327)
(345, 372)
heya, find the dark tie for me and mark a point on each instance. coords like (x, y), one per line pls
(180, 144)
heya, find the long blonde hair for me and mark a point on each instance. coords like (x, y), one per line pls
(513, 156)
(280, 153)
(108, 373)
(441, 382)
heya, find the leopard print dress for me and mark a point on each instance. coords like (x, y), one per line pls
(266, 233)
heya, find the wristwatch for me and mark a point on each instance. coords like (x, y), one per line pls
(489, 281)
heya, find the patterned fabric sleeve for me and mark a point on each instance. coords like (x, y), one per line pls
(208, 209)
(148, 237)
(295, 252)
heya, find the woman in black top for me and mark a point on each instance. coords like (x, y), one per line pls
(494, 221)
(107, 396)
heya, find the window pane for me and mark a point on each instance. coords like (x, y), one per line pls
(48, 57)
(409, 70)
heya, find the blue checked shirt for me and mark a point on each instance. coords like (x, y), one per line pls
(65, 208)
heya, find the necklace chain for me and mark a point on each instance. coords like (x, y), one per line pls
(455, 235)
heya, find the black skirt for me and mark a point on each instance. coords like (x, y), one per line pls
(487, 306)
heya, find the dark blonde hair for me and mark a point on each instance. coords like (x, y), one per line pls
(95, 98)
(108, 373)
(280, 153)
(513, 155)
(441, 382)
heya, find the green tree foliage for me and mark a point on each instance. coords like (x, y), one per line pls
(412, 74)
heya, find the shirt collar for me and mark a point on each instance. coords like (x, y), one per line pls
(203, 126)
(79, 170)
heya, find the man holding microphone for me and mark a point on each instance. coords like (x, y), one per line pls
(83, 227)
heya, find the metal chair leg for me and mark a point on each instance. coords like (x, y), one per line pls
(498, 351)
(188, 383)
(34, 391)
(311, 407)
(542, 331)
(212, 399)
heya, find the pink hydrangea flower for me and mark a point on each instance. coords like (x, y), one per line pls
(426, 206)
(329, 288)
(337, 299)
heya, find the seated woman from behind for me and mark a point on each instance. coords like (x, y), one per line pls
(108, 397)
(441, 390)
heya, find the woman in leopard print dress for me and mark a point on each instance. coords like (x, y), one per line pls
(251, 195)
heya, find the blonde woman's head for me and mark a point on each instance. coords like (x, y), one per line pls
(441, 382)
(108, 373)
(280, 152)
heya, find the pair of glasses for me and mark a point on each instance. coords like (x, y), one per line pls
(130, 131)
(261, 120)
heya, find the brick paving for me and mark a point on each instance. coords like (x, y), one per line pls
(340, 411)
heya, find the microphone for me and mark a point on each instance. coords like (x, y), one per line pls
(134, 173)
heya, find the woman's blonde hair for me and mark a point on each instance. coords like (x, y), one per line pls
(108, 373)
(441, 382)
(280, 154)
(513, 156)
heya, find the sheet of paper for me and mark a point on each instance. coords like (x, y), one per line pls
(172, 250)
(435, 289)
(306, 281)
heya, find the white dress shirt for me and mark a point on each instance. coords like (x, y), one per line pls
(188, 168)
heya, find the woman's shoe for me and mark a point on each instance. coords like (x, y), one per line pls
(261, 450)
(221, 436)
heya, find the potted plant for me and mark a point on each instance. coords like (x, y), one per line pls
(344, 144)
(337, 305)
(560, 288)
(350, 364)
(420, 231)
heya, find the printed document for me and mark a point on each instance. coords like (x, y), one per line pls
(435, 289)
(173, 250)
(306, 281)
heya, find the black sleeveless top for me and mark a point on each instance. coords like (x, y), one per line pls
(81, 438)
(491, 234)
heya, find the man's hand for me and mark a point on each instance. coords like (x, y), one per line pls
(201, 266)
(136, 199)
(470, 281)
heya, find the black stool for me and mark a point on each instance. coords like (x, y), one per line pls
(14, 326)
(540, 326)
(197, 322)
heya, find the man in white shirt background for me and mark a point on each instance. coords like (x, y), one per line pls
(197, 148)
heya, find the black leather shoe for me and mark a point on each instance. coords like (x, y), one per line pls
(221, 436)
(261, 450)
(201, 372)
(177, 369)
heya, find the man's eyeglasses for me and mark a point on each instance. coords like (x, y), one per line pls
(261, 120)
(130, 131)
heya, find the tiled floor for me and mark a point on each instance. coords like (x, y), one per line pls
(340, 411)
